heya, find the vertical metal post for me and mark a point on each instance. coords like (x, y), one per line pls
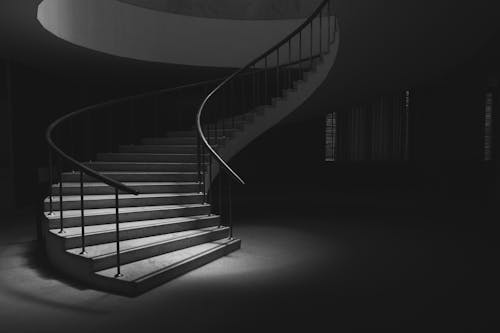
(254, 90)
(334, 28)
(232, 92)
(210, 182)
(223, 106)
(220, 194)
(230, 209)
(278, 72)
(198, 151)
(300, 54)
(51, 210)
(266, 99)
(311, 46)
(329, 24)
(61, 217)
(117, 223)
(203, 165)
(289, 63)
(82, 210)
(321, 32)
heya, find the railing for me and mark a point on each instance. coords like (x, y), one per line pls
(123, 127)
(258, 84)
(127, 119)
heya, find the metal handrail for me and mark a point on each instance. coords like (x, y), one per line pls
(230, 78)
(89, 171)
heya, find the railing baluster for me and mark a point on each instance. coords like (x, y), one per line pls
(198, 151)
(254, 89)
(220, 196)
(117, 232)
(300, 54)
(231, 110)
(321, 33)
(329, 25)
(278, 73)
(51, 209)
(82, 210)
(290, 63)
(209, 181)
(230, 209)
(203, 175)
(311, 46)
(266, 99)
(61, 217)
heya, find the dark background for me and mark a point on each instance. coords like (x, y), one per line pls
(424, 230)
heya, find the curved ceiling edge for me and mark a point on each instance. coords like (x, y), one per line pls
(125, 30)
(233, 9)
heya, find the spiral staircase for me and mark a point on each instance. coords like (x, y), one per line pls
(143, 211)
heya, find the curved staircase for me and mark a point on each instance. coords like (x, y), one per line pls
(145, 213)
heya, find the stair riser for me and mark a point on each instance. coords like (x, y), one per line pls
(158, 149)
(155, 250)
(127, 217)
(180, 167)
(107, 157)
(129, 202)
(142, 189)
(167, 275)
(108, 237)
(191, 177)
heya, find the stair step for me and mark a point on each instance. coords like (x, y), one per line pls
(178, 140)
(146, 157)
(103, 256)
(228, 132)
(141, 166)
(71, 202)
(143, 275)
(106, 233)
(136, 176)
(72, 218)
(163, 149)
(94, 188)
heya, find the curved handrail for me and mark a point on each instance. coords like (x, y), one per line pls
(80, 166)
(276, 47)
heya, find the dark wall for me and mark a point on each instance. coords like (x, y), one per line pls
(38, 98)
(7, 201)
(446, 164)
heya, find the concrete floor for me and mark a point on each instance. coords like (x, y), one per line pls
(351, 270)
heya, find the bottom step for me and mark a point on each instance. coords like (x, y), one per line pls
(143, 275)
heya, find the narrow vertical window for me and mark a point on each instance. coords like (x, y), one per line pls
(330, 136)
(488, 126)
(406, 130)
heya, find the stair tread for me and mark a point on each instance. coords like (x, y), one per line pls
(107, 249)
(140, 173)
(77, 184)
(73, 232)
(162, 145)
(139, 153)
(143, 269)
(122, 210)
(69, 198)
(138, 163)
